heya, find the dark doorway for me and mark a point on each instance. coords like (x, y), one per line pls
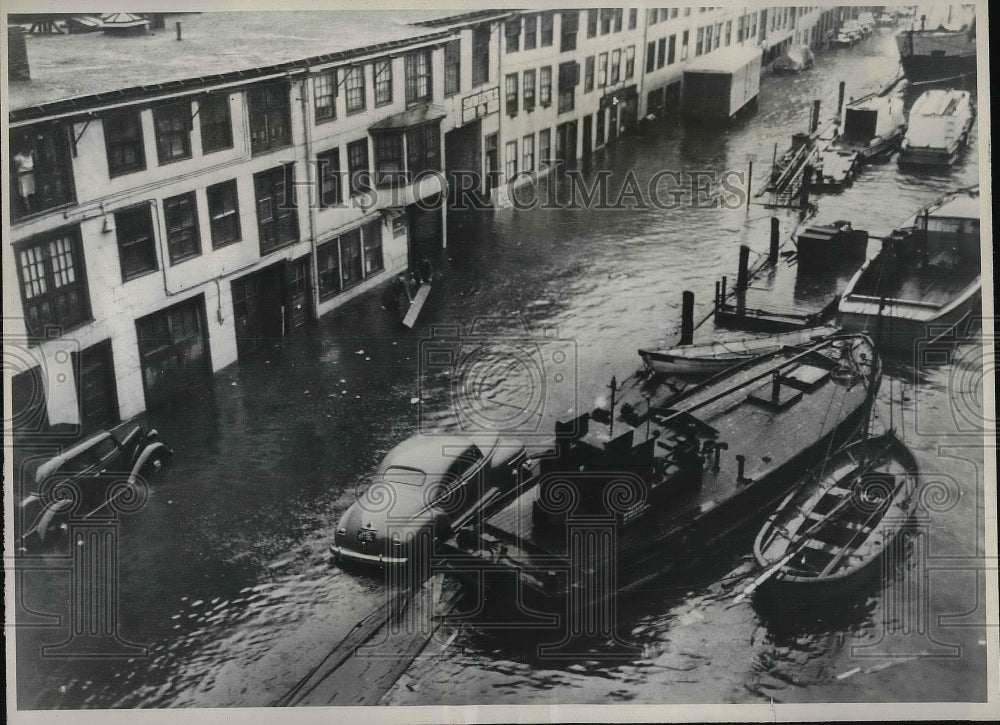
(27, 402)
(259, 308)
(173, 351)
(425, 232)
(588, 135)
(492, 163)
(463, 159)
(613, 123)
(97, 394)
(299, 301)
(566, 141)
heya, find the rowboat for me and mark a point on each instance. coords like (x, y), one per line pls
(721, 354)
(830, 534)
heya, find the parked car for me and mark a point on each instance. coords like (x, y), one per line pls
(794, 60)
(81, 481)
(429, 485)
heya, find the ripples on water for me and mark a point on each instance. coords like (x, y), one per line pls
(227, 577)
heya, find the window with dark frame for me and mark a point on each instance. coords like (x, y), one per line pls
(371, 234)
(136, 245)
(545, 86)
(592, 15)
(452, 67)
(173, 132)
(352, 271)
(224, 213)
(529, 90)
(480, 55)
(619, 13)
(569, 79)
(629, 62)
(277, 215)
(602, 70)
(354, 89)
(180, 214)
(633, 18)
(616, 66)
(588, 74)
(528, 153)
(325, 96)
(328, 171)
(510, 168)
(418, 76)
(383, 82)
(512, 34)
(547, 29)
(510, 96)
(607, 16)
(530, 32)
(270, 119)
(568, 27)
(328, 269)
(650, 56)
(358, 171)
(699, 40)
(423, 150)
(123, 139)
(661, 50)
(389, 167)
(216, 123)
(53, 281)
(599, 128)
(544, 146)
(684, 45)
(41, 170)
(672, 51)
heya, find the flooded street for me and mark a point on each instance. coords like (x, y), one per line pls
(224, 575)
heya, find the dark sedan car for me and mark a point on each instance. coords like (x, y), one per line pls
(81, 481)
(430, 486)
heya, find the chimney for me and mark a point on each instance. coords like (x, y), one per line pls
(17, 54)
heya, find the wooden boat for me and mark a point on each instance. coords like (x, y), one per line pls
(924, 282)
(633, 493)
(945, 52)
(824, 246)
(831, 533)
(84, 24)
(715, 356)
(124, 24)
(872, 125)
(758, 319)
(939, 126)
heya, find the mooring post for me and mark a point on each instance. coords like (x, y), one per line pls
(718, 290)
(815, 118)
(773, 256)
(749, 182)
(723, 293)
(741, 275)
(807, 177)
(178, 30)
(776, 386)
(687, 317)
(840, 99)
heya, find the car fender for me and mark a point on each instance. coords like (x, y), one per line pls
(150, 454)
(50, 516)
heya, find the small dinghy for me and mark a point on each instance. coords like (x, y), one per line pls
(834, 529)
(715, 356)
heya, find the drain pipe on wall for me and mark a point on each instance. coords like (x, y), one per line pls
(310, 171)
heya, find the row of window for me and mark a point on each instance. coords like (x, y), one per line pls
(418, 82)
(536, 29)
(528, 160)
(349, 259)
(172, 124)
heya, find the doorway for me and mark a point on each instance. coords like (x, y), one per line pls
(97, 394)
(258, 309)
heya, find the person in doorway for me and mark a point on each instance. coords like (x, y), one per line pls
(24, 166)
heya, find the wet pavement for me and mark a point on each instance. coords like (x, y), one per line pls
(224, 575)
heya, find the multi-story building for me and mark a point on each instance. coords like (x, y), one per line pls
(183, 200)
(165, 223)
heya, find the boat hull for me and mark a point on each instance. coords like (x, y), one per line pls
(927, 68)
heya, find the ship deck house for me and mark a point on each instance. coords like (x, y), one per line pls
(178, 198)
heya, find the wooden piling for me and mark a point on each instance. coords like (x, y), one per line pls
(773, 256)
(749, 182)
(741, 275)
(687, 317)
(840, 99)
(807, 177)
(815, 117)
(178, 30)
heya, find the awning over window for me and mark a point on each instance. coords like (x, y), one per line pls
(410, 118)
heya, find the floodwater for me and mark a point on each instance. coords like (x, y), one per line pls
(224, 576)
